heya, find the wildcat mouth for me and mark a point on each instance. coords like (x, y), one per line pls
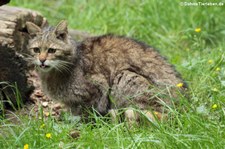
(43, 66)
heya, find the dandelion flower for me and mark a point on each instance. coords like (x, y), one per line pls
(210, 61)
(197, 30)
(218, 69)
(48, 135)
(214, 106)
(26, 146)
(180, 85)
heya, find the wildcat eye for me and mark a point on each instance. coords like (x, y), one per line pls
(51, 50)
(36, 50)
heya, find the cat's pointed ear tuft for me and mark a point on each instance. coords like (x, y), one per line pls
(61, 30)
(32, 28)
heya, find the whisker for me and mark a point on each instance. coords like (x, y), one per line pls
(65, 62)
(62, 66)
(65, 67)
(57, 68)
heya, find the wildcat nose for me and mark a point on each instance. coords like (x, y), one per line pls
(42, 61)
(42, 57)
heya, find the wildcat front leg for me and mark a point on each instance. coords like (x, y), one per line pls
(102, 103)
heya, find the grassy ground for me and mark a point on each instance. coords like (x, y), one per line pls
(198, 55)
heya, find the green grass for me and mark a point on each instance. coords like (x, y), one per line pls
(16, 104)
(163, 24)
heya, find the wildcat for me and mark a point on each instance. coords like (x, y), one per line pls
(106, 72)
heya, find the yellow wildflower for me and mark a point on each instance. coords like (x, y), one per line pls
(26, 146)
(42, 126)
(218, 69)
(215, 90)
(48, 135)
(197, 30)
(180, 85)
(214, 106)
(210, 61)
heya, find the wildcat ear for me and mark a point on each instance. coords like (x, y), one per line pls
(32, 28)
(61, 30)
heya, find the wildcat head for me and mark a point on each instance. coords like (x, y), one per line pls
(51, 48)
